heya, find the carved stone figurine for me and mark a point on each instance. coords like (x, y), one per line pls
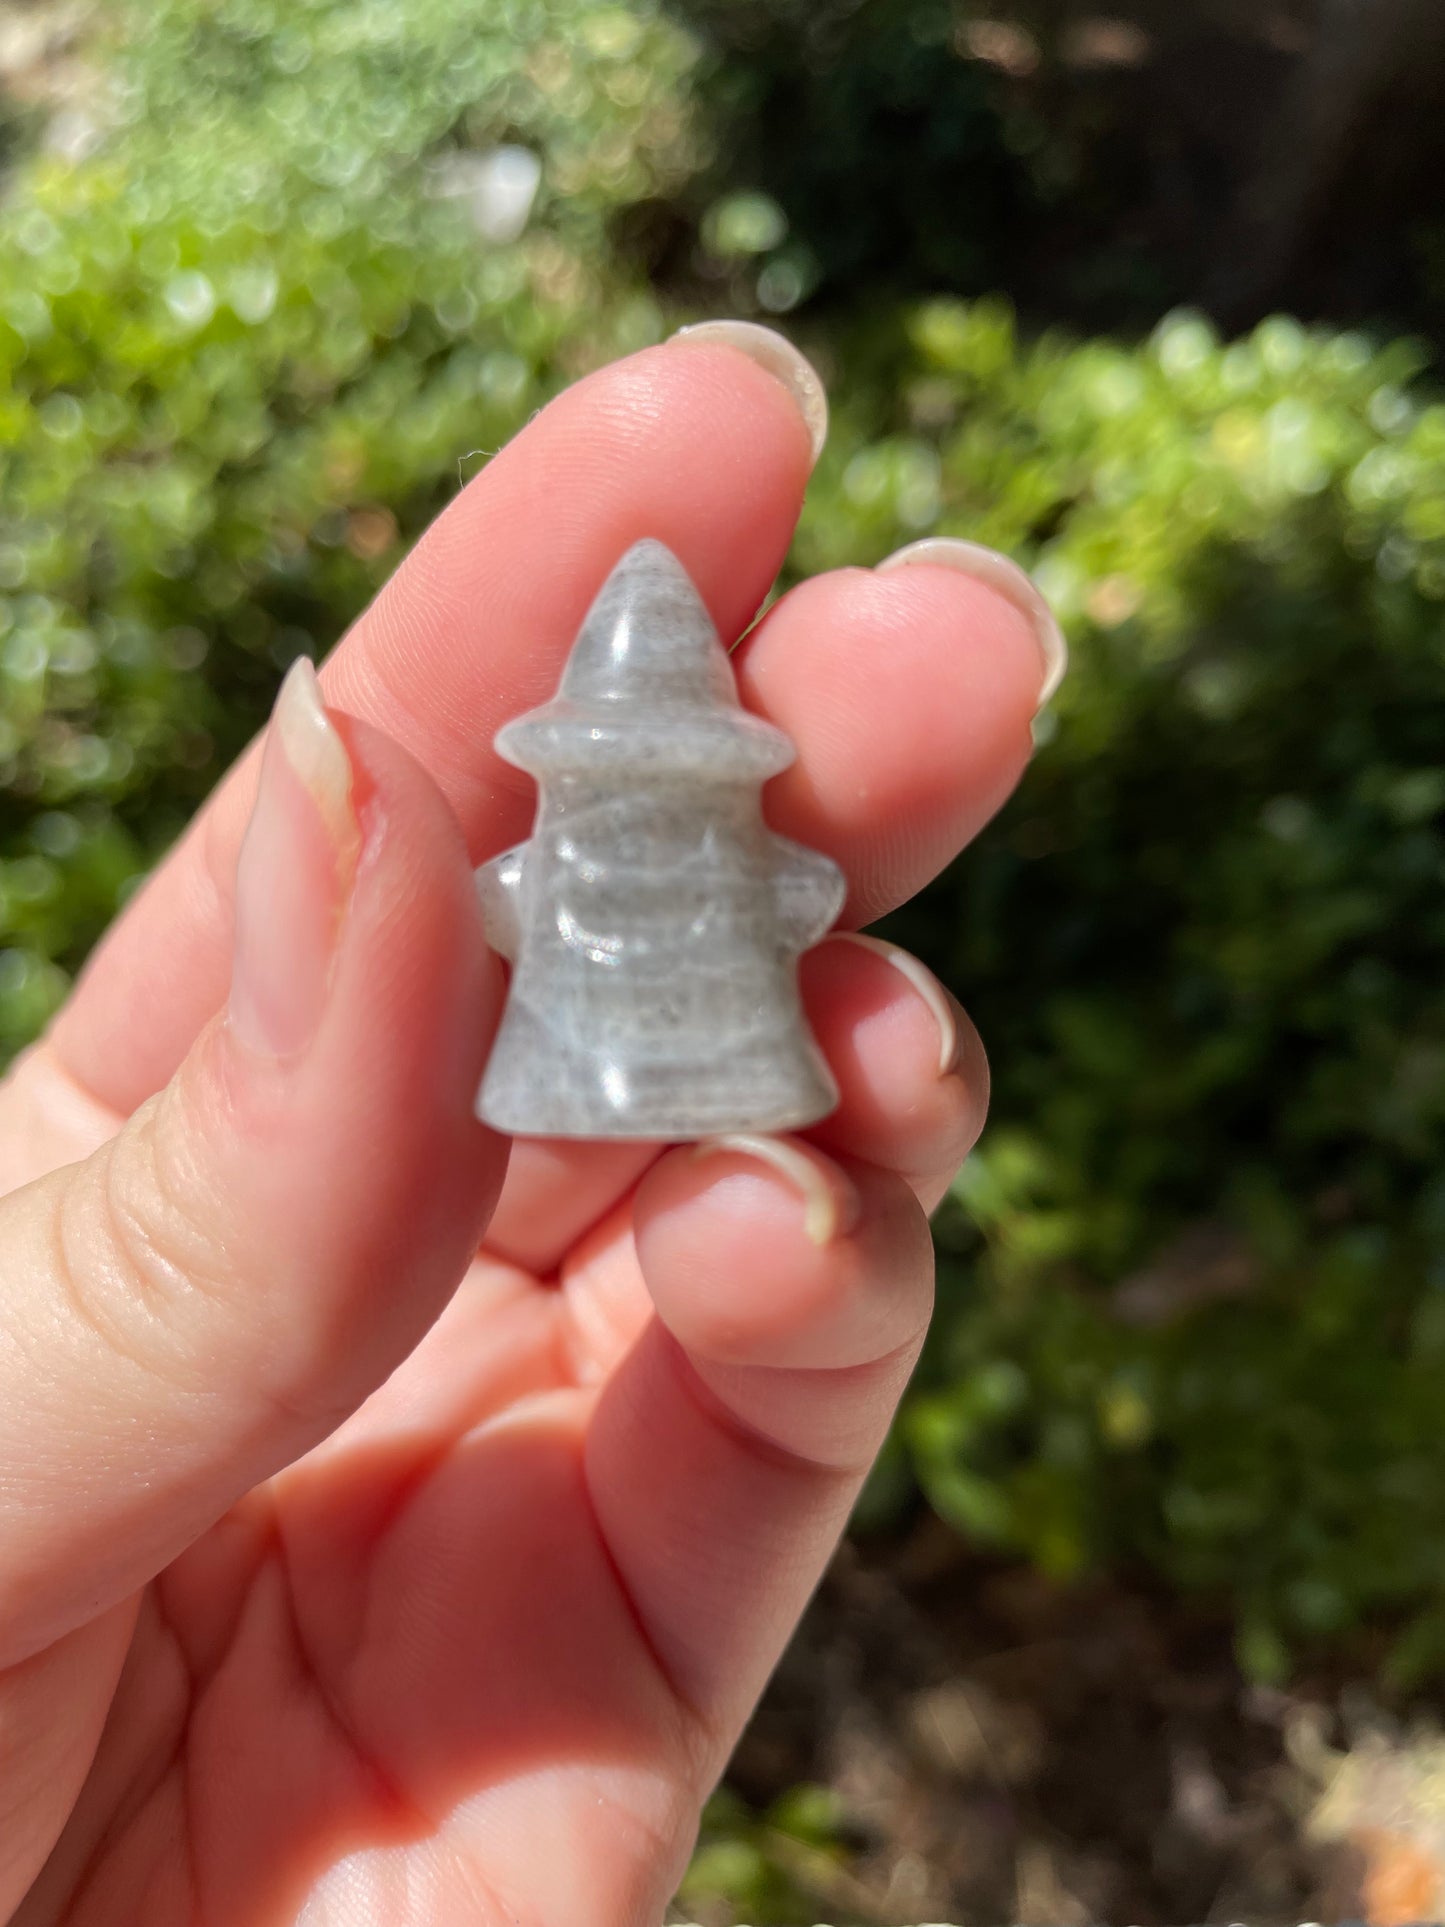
(653, 921)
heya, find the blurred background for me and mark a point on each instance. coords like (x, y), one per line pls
(1143, 1616)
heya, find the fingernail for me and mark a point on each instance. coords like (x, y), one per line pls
(927, 986)
(830, 1204)
(294, 874)
(1000, 572)
(784, 362)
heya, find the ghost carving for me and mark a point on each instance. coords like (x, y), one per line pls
(653, 921)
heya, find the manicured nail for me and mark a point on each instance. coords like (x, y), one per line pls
(1004, 575)
(830, 1204)
(924, 982)
(294, 875)
(784, 362)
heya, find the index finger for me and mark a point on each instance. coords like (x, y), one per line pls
(701, 445)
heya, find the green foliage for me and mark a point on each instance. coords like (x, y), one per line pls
(783, 1864)
(245, 349)
(1193, 1306)
(1194, 1289)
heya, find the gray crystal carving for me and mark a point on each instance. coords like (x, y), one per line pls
(653, 920)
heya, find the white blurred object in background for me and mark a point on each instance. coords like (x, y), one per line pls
(500, 185)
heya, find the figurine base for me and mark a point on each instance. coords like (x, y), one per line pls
(535, 1086)
(664, 1128)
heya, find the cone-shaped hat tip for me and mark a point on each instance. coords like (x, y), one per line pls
(648, 638)
(648, 555)
(648, 680)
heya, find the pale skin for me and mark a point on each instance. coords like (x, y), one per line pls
(390, 1532)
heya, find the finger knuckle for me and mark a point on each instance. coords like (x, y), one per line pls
(137, 1242)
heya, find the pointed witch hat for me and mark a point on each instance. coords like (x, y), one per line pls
(647, 687)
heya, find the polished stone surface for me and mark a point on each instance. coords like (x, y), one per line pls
(653, 920)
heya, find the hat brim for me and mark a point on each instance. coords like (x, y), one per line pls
(681, 739)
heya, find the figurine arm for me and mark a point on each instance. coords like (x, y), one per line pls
(499, 887)
(808, 889)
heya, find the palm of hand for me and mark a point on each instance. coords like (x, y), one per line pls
(388, 1684)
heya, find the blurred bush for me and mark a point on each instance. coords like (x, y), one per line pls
(1194, 1280)
(319, 258)
(777, 1865)
(318, 262)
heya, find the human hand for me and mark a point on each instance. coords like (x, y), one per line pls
(392, 1533)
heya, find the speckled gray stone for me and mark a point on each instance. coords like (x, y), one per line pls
(653, 920)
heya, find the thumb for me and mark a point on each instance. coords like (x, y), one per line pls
(207, 1296)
